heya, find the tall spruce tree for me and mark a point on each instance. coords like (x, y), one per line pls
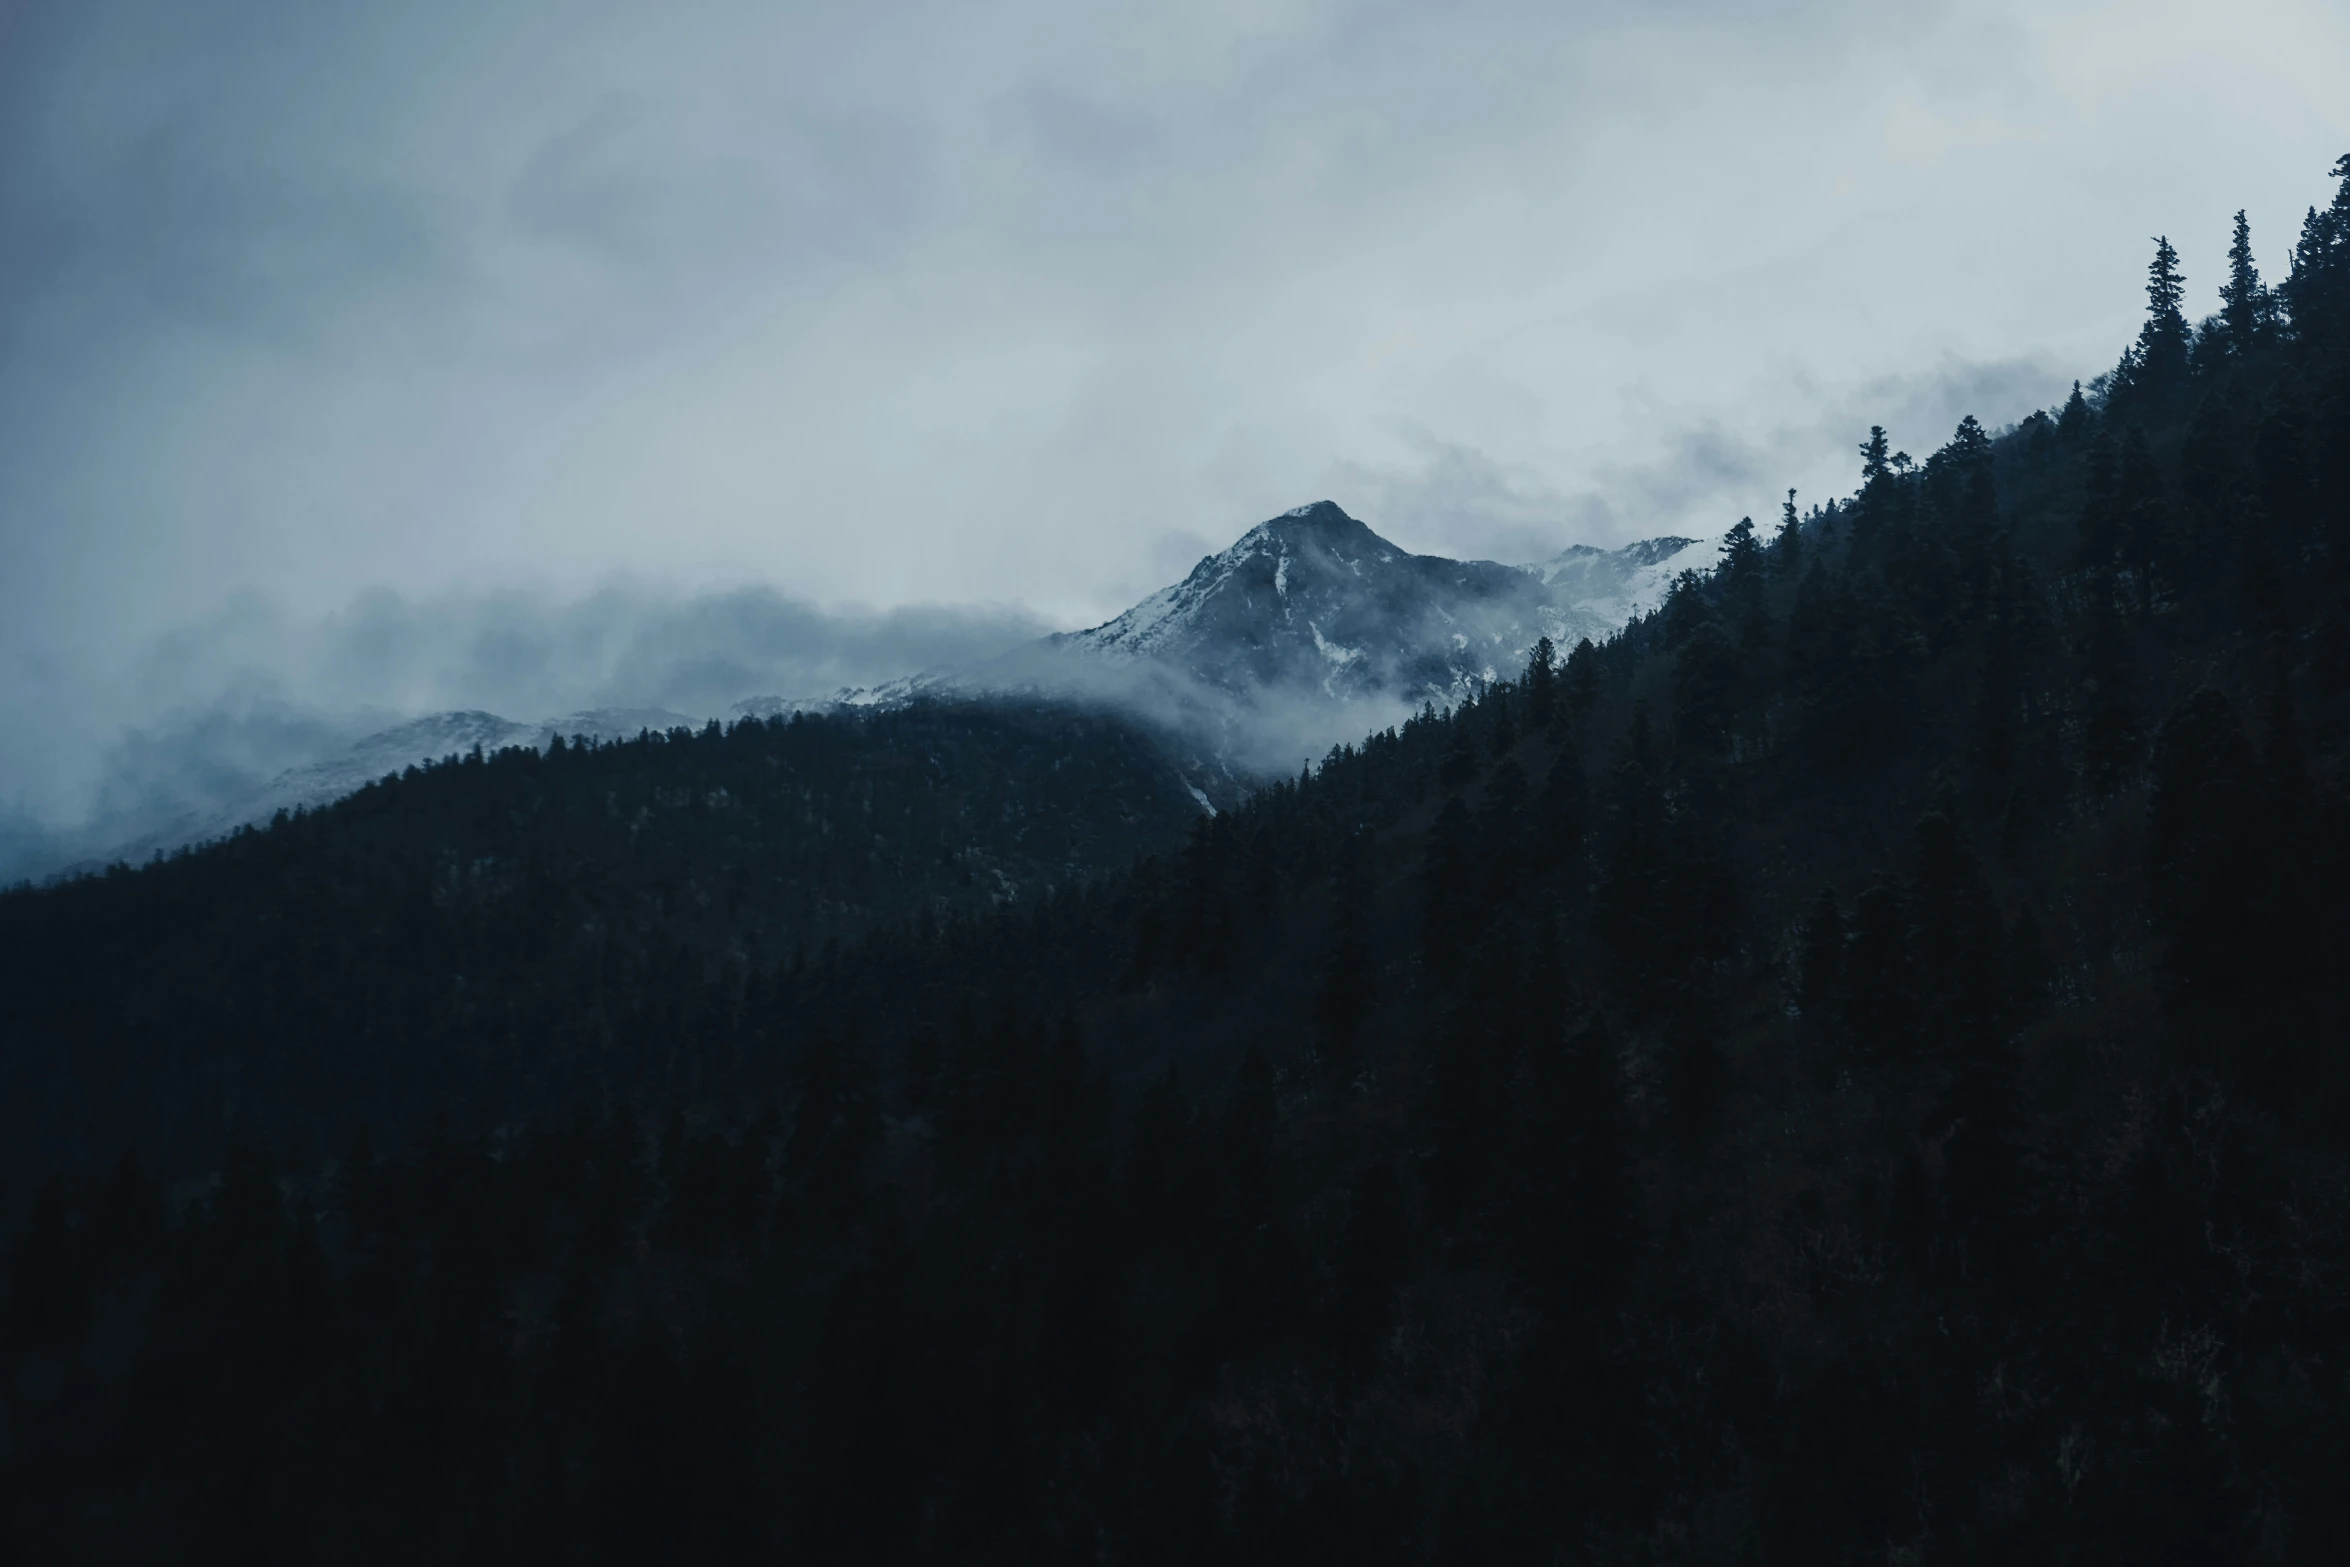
(2164, 339)
(2244, 300)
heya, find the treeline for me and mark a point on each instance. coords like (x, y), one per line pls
(1849, 1070)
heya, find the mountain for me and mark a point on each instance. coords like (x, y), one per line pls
(1311, 630)
(320, 782)
(525, 871)
(1315, 603)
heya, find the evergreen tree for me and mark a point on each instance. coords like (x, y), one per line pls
(2317, 294)
(1542, 684)
(2243, 298)
(1874, 463)
(1787, 545)
(2074, 419)
(2163, 341)
(1741, 579)
(1582, 678)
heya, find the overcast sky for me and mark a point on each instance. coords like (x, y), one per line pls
(313, 314)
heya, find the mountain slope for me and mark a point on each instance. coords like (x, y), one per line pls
(1313, 601)
(1610, 587)
(237, 802)
(437, 933)
(1311, 630)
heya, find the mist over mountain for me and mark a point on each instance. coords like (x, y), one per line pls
(1306, 633)
(257, 708)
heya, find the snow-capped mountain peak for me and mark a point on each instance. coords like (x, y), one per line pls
(1615, 585)
(1314, 601)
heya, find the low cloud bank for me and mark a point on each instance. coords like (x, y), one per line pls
(209, 715)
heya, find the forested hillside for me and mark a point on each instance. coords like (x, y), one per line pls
(496, 934)
(1849, 1070)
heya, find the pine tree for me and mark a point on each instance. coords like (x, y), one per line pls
(1741, 582)
(1499, 711)
(1971, 505)
(2243, 299)
(1741, 555)
(1582, 678)
(1787, 545)
(2163, 340)
(1874, 463)
(2317, 294)
(1541, 683)
(2073, 420)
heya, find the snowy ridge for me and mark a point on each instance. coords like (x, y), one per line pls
(1618, 585)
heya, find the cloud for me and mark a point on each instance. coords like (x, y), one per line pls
(210, 711)
(1695, 474)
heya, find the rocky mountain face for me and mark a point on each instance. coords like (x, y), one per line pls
(1312, 630)
(1314, 602)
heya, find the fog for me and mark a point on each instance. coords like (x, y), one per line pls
(226, 704)
(358, 361)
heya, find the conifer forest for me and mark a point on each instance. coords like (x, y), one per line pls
(1851, 1069)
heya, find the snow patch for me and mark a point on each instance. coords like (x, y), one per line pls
(1339, 657)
